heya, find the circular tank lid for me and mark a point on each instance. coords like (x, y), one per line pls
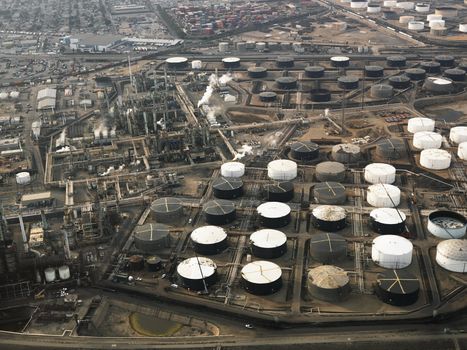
(454, 249)
(166, 205)
(233, 166)
(153, 260)
(219, 207)
(430, 64)
(380, 169)
(454, 71)
(399, 282)
(268, 238)
(329, 242)
(286, 80)
(273, 210)
(388, 216)
(175, 60)
(400, 79)
(282, 164)
(231, 60)
(261, 272)
(151, 232)
(227, 183)
(384, 190)
(347, 148)
(257, 69)
(440, 81)
(340, 59)
(374, 68)
(304, 146)
(328, 277)
(348, 79)
(279, 187)
(330, 167)
(416, 71)
(314, 69)
(397, 58)
(285, 59)
(393, 245)
(444, 58)
(329, 189)
(208, 235)
(196, 268)
(329, 213)
(268, 94)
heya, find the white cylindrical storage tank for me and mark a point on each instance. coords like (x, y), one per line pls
(421, 7)
(64, 272)
(462, 151)
(197, 273)
(463, 27)
(416, 25)
(268, 244)
(383, 196)
(262, 277)
(392, 252)
(232, 169)
(274, 214)
(458, 134)
(420, 124)
(209, 240)
(358, 4)
(437, 23)
(427, 139)
(406, 5)
(388, 221)
(390, 3)
(435, 159)
(373, 8)
(447, 224)
(260, 46)
(452, 255)
(432, 17)
(406, 19)
(50, 274)
(196, 64)
(380, 173)
(282, 169)
(23, 178)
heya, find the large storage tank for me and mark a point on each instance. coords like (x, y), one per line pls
(232, 169)
(197, 273)
(152, 237)
(231, 62)
(381, 91)
(268, 244)
(257, 72)
(314, 72)
(420, 124)
(320, 95)
(380, 173)
(227, 187)
(445, 60)
(285, 62)
(348, 82)
(435, 159)
(399, 288)
(399, 82)
(23, 178)
(458, 134)
(422, 7)
(427, 139)
(383, 196)
(462, 151)
(447, 224)
(286, 83)
(167, 210)
(209, 240)
(262, 277)
(416, 25)
(387, 221)
(438, 85)
(396, 61)
(219, 212)
(346, 153)
(64, 272)
(374, 71)
(279, 191)
(174, 63)
(282, 169)
(304, 150)
(330, 171)
(328, 283)
(455, 74)
(267, 96)
(392, 252)
(391, 149)
(406, 19)
(446, 11)
(329, 218)
(327, 248)
(329, 193)
(416, 74)
(431, 67)
(340, 61)
(451, 254)
(274, 214)
(405, 5)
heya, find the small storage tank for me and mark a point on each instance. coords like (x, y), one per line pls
(136, 262)
(282, 169)
(23, 178)
(455, 74)
(197, 273)
(285, 62)
(374, 71)
(398, 288)
(348, 82)
(286, 83)
(435, 159)
(219, 212)
(327, 248)
(373, 8)
(329, 218)
(261, 277)
(390, 3)
(223, 47)
(167, 210)
(268, 244)
(462, 151)
(329, 193)
(446, 11)
(447, 224)
(406, 19)
(328, 283)
(396, 61)
(431, 67)
(64, 272)
(50, 275)
(358, 4)
(390, 15)
(304, 150)
(209, 240)
(383, 196)
(154, 263)
(399, 82)
(267, 96)
(274, 214)
(451, 255)
(416, 74)
(340, 61)
(257, 72)
(463, 27)
(458, 134)
(383, 91)
(260, 46)
(320, 95)
(420, 124)
(422, 7)
(439, 31)
(405, 5)
(416, 25)
(437, 23)
(377, 173)
(314, 72)
(330, 171)
(174, 63)
(387, 221)
(241, 46)
(427, 139)
(392, 252)
(445, 60)
(231, 62)
(152, 237)
(346, 153)
(227, 187)
(391, 149)
(232, 169)
(438, 85)
(432, 17)
(196, 64)
(279, 191)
